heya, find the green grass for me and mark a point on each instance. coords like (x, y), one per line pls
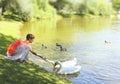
(12, 72)
(10, 28)
(4, 43)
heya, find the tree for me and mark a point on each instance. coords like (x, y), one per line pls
(116, 4)
(25, 10)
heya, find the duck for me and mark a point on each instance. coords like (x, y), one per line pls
(44, 46)
(58, 44)
(67, 67)
(107, 42)
(61, 48)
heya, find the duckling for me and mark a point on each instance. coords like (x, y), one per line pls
(107, 42)
(44, 46)
(62, 49)
(58, 44)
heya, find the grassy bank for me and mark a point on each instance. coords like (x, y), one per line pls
(10, 28)
(21, 73)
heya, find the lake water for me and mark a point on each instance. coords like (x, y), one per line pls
(94, 42)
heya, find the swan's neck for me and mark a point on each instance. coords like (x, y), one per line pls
(57, 66)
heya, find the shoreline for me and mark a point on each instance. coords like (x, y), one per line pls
(12, 72)
(21, 73)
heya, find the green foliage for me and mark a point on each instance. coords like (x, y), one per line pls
(105, 8)
(116, 4)
(96, 7)
(42, 9)
(26, 10)
(1, 17)
(59, 4)
(84, 7)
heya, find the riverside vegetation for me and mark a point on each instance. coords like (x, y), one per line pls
(27, 10)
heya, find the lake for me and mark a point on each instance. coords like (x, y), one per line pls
(94, 42)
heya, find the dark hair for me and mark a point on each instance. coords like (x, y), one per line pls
(30, 36)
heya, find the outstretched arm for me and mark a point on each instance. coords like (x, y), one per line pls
(45, 59)
(33, 52)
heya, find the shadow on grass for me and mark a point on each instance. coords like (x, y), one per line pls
(4, 43)
(12, 72)
(21, 73)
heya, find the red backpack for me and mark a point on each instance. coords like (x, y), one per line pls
(12, 47)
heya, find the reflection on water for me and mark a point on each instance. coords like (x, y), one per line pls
(85, 40)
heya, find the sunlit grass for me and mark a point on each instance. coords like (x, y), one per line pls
(10, 28)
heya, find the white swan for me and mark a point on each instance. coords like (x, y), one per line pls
(67, 67)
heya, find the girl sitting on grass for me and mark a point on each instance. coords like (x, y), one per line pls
(19, 49)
